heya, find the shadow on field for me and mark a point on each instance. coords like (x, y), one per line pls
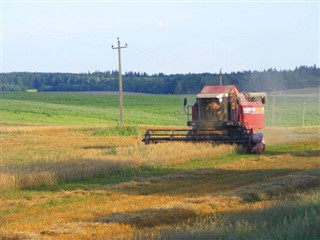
(308, 153)
(151, 217)
(209, 189)
(124, 177)
(250, 185)
(290, 219)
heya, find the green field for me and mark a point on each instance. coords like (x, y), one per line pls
(289, 110)
(91, 109)
(96, 109)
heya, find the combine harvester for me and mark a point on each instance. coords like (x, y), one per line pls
(221, 114)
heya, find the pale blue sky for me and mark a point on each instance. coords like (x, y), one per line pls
(163, 37)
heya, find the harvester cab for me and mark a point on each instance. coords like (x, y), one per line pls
(220, 114)
(218, 106)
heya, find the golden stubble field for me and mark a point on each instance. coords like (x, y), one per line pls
(34, 159)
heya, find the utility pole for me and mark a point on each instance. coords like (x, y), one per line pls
(220, 76)
(303, 113)
(273, 105)
(120, 81)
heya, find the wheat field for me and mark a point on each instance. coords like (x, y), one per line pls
(69, 183)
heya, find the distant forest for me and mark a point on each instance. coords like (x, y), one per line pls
(268, 80)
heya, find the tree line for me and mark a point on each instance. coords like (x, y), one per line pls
(267, 80)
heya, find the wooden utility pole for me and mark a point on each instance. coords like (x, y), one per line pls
(303, 113)
(273, 105)
(220, 76)
(120, 81)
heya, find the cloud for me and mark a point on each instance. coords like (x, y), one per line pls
(163, 25)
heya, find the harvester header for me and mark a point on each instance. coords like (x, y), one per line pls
(220, 114)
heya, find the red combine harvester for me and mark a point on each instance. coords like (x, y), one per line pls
(221, 114)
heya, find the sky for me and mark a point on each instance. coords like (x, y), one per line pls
(161, 36)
